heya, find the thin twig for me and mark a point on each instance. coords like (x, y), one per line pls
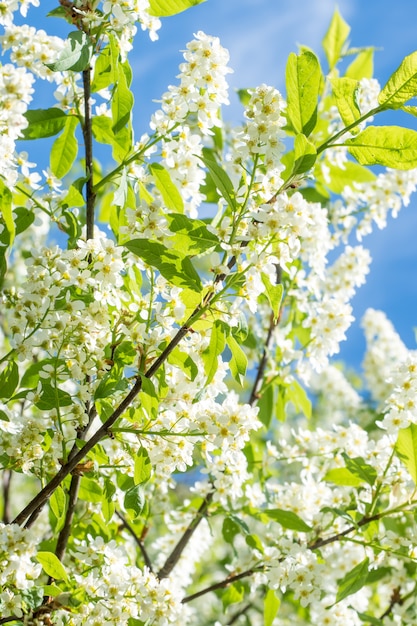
(7, 476)
(175, 555)
(222, 584)
(137, 540)
(88, 146)
(236, 616)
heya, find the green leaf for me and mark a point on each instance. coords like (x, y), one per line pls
(335, 39)
(353, 581)
(103, 133)
(239, 361)
(52, 565)
(305, 155)
(266, 405)
(165, 8)
(358, 467)
(121, 103)
(298, 396)
(221, 180)
(76, 55)
(64, 149)
(58, 502)
(362, 66)
(406, 449)
(402, 85)
(6, 210)
(230, 529)
(23, 219)
(143, 467)
(191, 236)
(178, 270)
(52, 397)
(271, 607)
(342, 476)
(233, 594)
(344, 91)
(9, 379)
(216, 346)
(184, 362)
(288, 519)
(106, 66)
(170, 194)
(135, 500)
(303, 79)
(90, 490)
(43, 123)
(391, 146)
(351, 174)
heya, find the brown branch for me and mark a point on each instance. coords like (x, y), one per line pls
(137, 540)
(236, 616)
(319, 543)
(88, 145)
(222, 584)
(175, 555)
(7, 476)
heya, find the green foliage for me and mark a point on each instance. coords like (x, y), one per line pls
(303, 82)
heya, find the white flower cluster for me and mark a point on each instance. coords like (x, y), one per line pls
(32, 49)
(384, 353)
(262, 134)
(17, 569)
(373, 201)
(197, 98)
(9, 7)
(16, 88)
(401, 405)
(122, 17)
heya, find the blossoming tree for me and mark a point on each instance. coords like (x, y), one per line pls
(176, 447)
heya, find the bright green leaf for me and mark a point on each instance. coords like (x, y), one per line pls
(165, 8)
(303, 79)
(360, 468)
(135, 500)
(344, 91)
(52, 565)
(335, 39)
(266, 406)
(305, 155)
(143, 467)
(214, 349)
(6, 210)
(288, 519)
(271, 607)
(90, 490)
(298, 396)
(178, 270)
(103, 133)
(239, 361)
(230, 529)
(58, 502)
(76, 55)
(362, 66)
(221, 180)
(191, 236)
(121, 103)
(351, 174)
(392, 146)
(64, 149)
(342, 476)
(353, 581)
(52, 397)
(9, 379)
(44, 123)
(402, 85)
(170, 194)
(406, 449)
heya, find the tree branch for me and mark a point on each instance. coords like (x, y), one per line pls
(175, 555)
(88, 145)
(222, 584)
(137, 540)
(7, 476)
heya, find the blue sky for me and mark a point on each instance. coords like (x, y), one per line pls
(259, 35)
